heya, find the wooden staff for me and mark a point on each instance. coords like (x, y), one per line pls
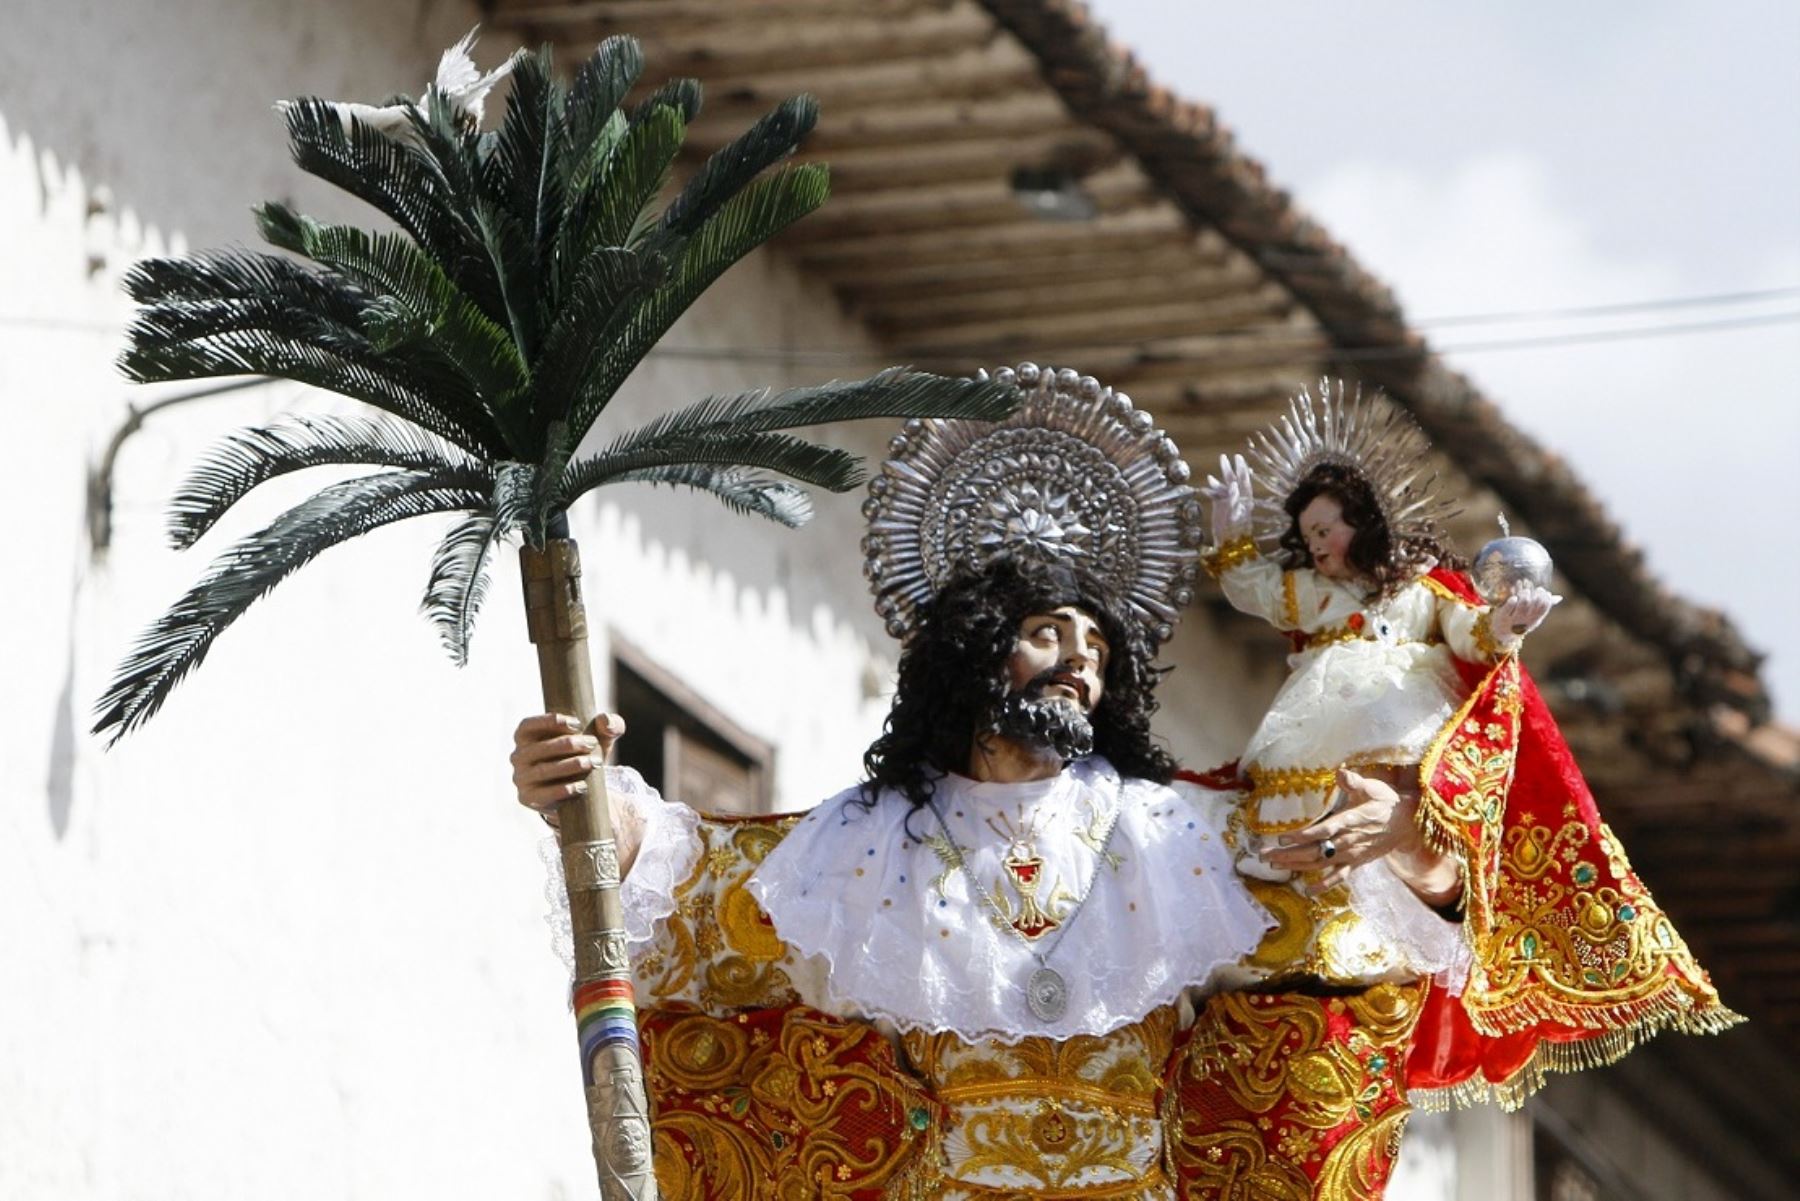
(612, 1067)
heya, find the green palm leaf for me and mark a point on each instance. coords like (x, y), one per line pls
(731, 168)
(179, 640)
(459, 573)
(251, 457)
(523, 174)
(742, 490)
(682, 95)
(235, 313)
(896, 392)
(821, 466)
(743, 223)
(400, 181)
(531, 271)
(594, 98)
(426, 302)
(613, 204)
(610, 285)
(352, 370)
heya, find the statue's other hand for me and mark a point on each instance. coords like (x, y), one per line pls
(552, 756)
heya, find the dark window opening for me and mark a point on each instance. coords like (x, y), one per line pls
(683, 746)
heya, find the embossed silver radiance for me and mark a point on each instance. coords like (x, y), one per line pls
(1077, 474)
(591, 866)
(601, 955)
(620, 1126)
(1367, 434)
(1047, 995)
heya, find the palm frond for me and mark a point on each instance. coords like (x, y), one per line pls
(821, 466)
(895, 392)
(458, 582)
(454, 150)
(612, 205)
(682, 95)
(601, 301)
(459, 568)
(234, 313)
(593, 106)
(345, 366)
(394, 267)
(743, 223)
(179, 640)
(393, 177)
(509, 248)
(523, 174)
(730, 168)
(742, 490)
(250, 457)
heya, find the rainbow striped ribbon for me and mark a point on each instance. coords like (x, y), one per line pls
(605, 1015)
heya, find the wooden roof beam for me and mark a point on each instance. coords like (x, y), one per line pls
(925, 124)
(996, 69)
(1058, 295)
(957, 162)
(655, 16)
(897, 281)
(764, 48)
(986, 203)
(1122, 363)
(1039, 239)
(1123, 322)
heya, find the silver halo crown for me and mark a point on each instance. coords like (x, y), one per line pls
(1076, 475)
(1377, 441)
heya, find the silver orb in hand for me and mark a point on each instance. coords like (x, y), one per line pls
(1507, 562)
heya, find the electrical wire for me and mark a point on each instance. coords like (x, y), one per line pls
(1270, 339)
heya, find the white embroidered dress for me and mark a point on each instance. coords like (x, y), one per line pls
(1371, 684)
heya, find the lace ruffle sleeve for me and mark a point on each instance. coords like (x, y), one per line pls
(668, 850)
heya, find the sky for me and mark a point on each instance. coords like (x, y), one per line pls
(1535, 156)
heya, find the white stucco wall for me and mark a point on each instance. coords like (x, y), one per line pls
(286, 941)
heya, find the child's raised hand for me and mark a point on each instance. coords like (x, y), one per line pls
(1231, 493)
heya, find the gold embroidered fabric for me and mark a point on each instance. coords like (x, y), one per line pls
(1046, 1119)
(1238, 550)
(1288, 1097)
(718, 950)
(1569, 946)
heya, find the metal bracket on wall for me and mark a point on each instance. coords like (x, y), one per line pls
(99, 484)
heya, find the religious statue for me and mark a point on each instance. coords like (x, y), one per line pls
(1027, 957)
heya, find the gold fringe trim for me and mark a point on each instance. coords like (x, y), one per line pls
(1598, 1052)
(1436, 820)
(1669, 1004)
(1238, 550)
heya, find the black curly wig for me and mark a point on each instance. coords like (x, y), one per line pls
(953, 675)
(1373, 553)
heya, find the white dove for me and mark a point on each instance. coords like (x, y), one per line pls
(458, 81)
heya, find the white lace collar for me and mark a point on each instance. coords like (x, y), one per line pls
(878, 894)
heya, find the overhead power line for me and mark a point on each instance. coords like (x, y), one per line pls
(1501, 317)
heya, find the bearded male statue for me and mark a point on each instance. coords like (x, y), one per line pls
(1018, 960)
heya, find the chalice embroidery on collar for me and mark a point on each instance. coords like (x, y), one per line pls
(1046, 992)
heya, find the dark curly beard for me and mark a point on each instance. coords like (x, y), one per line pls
(1054, 723)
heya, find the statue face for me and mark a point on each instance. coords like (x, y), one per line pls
(1327, 537)
(1066, 650)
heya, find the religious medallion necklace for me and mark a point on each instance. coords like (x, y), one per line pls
(1046, 992)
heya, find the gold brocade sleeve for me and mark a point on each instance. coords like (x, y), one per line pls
(752, 1093)
(1569, 946)
(718, 951)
